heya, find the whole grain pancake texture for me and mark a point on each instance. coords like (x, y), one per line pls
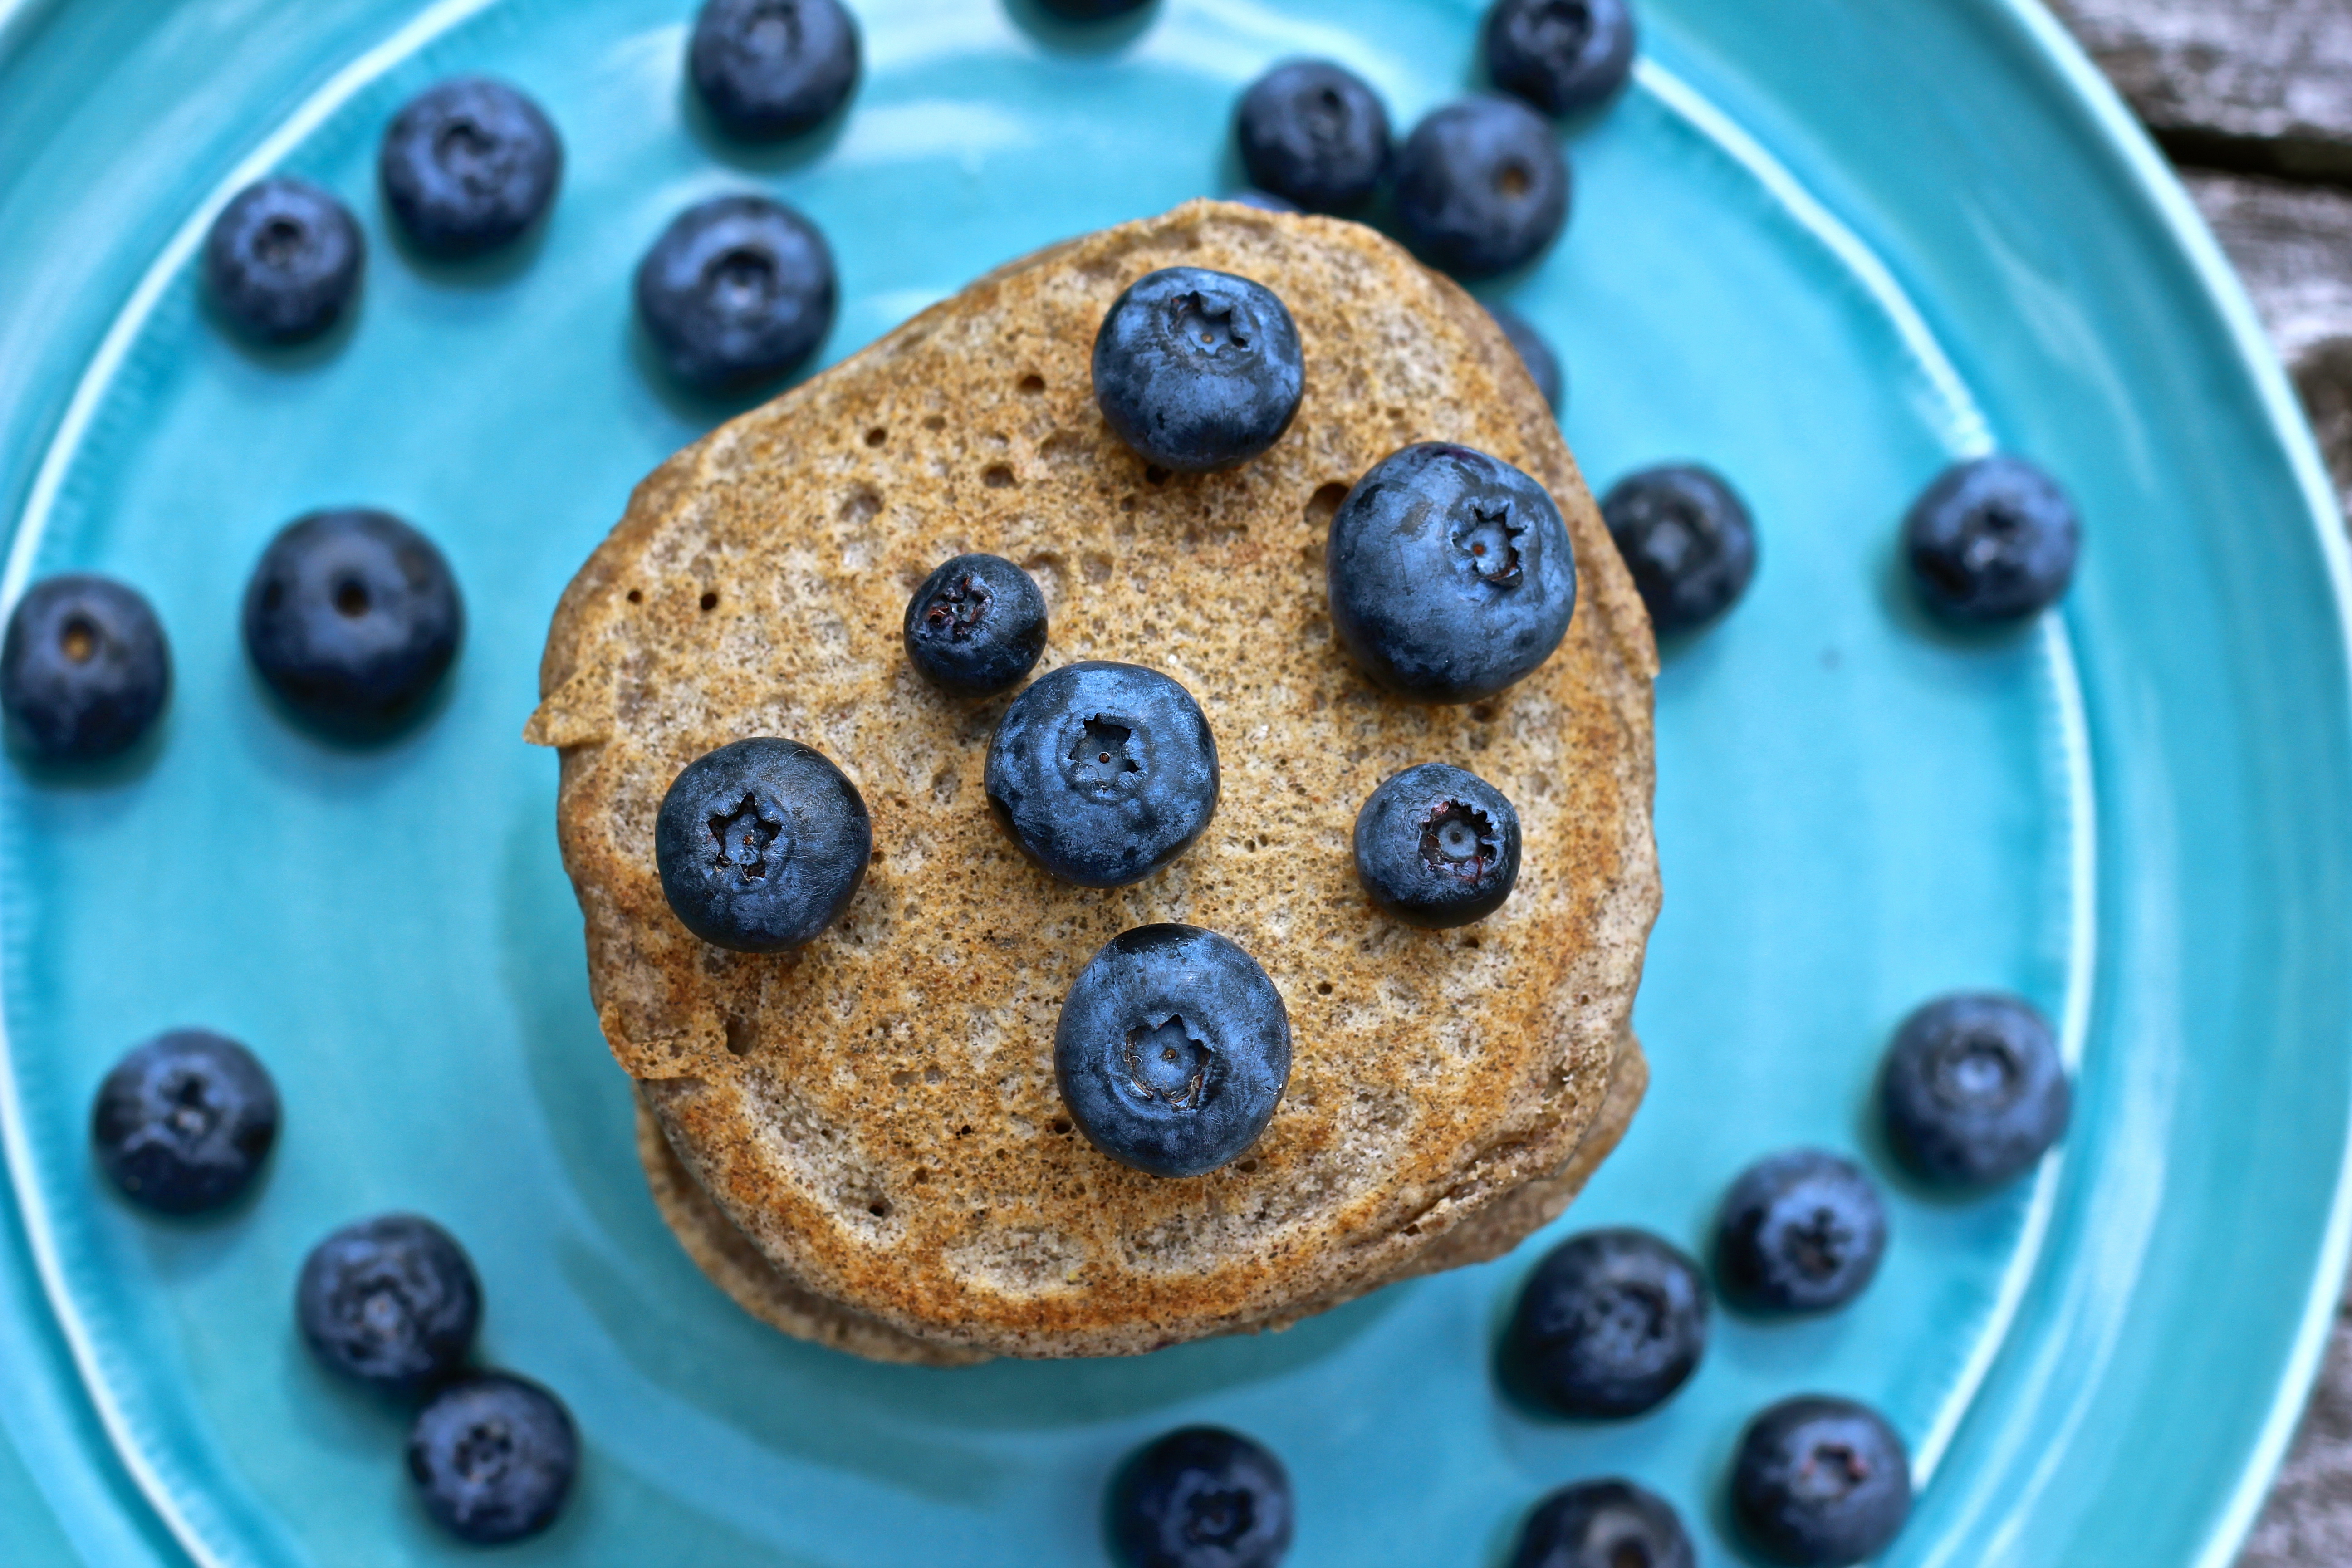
(861, 1139)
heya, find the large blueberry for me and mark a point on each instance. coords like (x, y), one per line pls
(976, 625)
(391, 1300)
(1687, 537)
(1973, 1089)
(1104, 771)
(1172, 1050)
(468, 164)
(1543, 365)
(1437, 847)
(1609, 1324)
(1315, 132)
(1198, 370)
(352, 619)
(184, 1123)
(84, 669)
(761, 844)
(1800, 1232)
(1450, 576)
(1560, 54)
(1604, 1524)
(1481, 186)
(1992, 541)
(737, 290)
(1820, 1482)
(493, 1457)
(1202, 1497)
(773, 67)
(283, 260)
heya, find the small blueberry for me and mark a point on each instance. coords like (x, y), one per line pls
(761, 845)
(352, 619)
(1609, 1324)
(1543, 365)
(1688, 540)
(1604, 1524)
(1313, 132)
(1992, 541)
(1973, 1089)
(737, 290)
(1437, 847)
(1172, 1050)
(84, 669)
(976, 625)
(283, 260)
(468, 164)
(184, 1123)
(1800, 1232)
(1105, 773)
(1202, 1497)
(773, 67)
(1449, 573)
(1198, 370)
(1560, 54)
(493, 1458)
(1820, 1482)
(391, 1300)
(1481, 186)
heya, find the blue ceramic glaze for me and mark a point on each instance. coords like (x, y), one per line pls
(1823, 247)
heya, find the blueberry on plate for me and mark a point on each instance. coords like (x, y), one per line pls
(1105, 773)
(493, 1458)
(1198, 370)
(737, 290)
(1992, 541)
(84, 669)
(1202, 1497)
(352, 619)
(1450, 576)
(283, 260)
(1820, 1482)
(1172, 1050)
(1315, 132)
(1543, 365)
(1800, 1232)
(976, 625)
(1688, 540)
(1560, 54)
(468, 164)
(391, 1300)
(773, 67)
(1604, 1524)
(1481, 186)
(761, 845)
(1437, 847)
(1265, 201)
(1973, 1089)
(184, 1124)
(1609, 1324)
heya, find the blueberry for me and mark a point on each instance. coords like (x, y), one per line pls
(1105, 773)
(1265, 201)
(1686, 537)
(1172, 1050)
(1800, 1232)
(1560, 54)
(184, 1123)
(84, 669)
(1437, 847)
(773, 67)
(1450, 576)
(1974, 1091)
(1604, 1524)
(1481, 186)
(468, 165)
(737, 290)
(352, 619)
(1092, 10)
(283, 260)
(1198, 370)
(1315, 132)
(1992, 541)
(1609, 1324)
(1820, 1482)
(390, 1300)
(1202, 1497)
(493, 1458)
(1543, 365)
(761, 844)
(976, 625)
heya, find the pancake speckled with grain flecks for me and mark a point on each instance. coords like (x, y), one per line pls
(875, 1112)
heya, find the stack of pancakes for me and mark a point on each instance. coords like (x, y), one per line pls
(861, 1139)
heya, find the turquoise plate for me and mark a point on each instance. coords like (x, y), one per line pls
(1825, 245)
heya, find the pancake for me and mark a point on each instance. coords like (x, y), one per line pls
(876, 1113)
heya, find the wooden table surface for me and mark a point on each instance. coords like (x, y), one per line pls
(2252, 99)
